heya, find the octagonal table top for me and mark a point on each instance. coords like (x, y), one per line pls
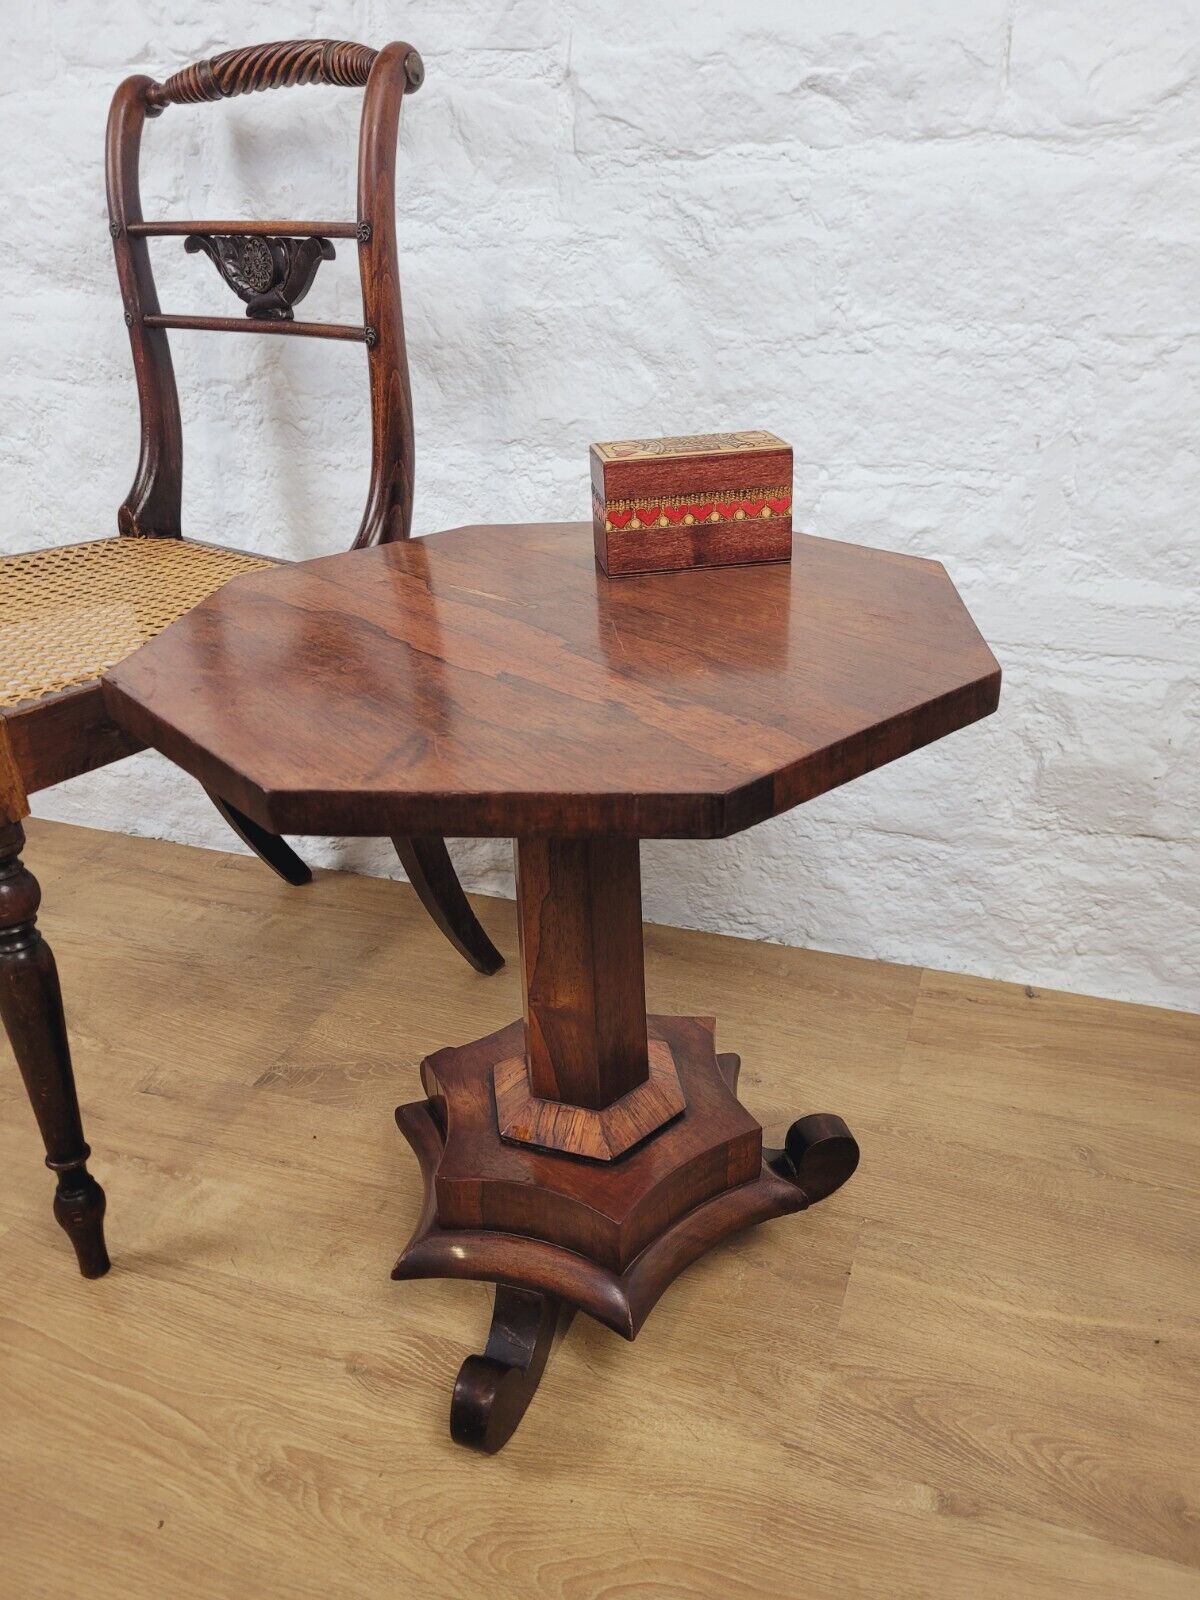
(491, 681)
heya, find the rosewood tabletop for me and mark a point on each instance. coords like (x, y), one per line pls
(490, 681)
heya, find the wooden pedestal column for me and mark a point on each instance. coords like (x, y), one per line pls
(591, 1083)
(579, 907)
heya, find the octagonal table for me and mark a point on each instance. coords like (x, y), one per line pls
(489, 681)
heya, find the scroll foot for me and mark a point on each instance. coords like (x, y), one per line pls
(493, 1390)
(818, 1156)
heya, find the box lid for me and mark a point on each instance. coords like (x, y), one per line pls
(690, 444)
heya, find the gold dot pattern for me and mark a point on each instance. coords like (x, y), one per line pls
(66, 614)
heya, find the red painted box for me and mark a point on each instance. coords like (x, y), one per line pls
(701, 500)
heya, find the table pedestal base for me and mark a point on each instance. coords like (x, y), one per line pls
(556, 1233)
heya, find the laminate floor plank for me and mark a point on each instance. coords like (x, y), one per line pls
(973, 1371)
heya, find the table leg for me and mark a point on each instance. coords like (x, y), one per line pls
(587, 1153)
(493, 1391)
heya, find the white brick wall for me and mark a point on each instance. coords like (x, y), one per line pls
(950, 251)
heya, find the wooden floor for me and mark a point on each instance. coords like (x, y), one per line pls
(973, 1372)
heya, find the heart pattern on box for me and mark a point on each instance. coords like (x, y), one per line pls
(675, 512)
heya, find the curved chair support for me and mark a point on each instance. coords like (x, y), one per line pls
(427, 864)
(267, 846)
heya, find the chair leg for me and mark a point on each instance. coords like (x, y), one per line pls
(267, 846)
(32, 1010)
(426, 862)
(431, 873)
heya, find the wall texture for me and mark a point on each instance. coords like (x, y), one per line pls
(949, 251)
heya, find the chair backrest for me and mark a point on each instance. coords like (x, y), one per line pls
(269, 265)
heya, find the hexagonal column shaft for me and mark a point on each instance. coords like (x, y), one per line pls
(579, 911)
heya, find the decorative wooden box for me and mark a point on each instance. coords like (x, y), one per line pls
(702, 500)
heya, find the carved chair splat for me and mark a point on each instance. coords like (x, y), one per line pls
(71, 611)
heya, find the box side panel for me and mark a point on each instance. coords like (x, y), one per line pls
(690, 475)
(720, 544)
(597, 472)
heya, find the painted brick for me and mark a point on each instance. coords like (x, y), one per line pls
(947, 251)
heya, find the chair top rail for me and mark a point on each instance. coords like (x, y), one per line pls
(273, 66)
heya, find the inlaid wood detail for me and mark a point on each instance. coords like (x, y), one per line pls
(690, 444)
(703, 500)
(681, 510)
(594, 1135)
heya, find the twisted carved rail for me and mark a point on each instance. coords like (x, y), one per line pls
(275, 66)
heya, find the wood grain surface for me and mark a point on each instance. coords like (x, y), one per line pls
(604, 1211)
(621, 1300)
(14, 803)
(971, 1372)
(604, 1135)
(579, 915)
(490, 681)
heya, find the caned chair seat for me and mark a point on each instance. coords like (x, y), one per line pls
(67, 614)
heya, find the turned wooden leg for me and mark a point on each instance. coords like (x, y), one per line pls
(493, 1390)
(426, 861)
(31, 1006)
(267, 846)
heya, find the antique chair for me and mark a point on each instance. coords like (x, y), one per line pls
(68, 613)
